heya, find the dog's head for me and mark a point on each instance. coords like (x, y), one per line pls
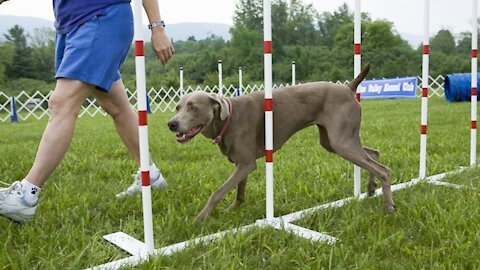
(195, 111)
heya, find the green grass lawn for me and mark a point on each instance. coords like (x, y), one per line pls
(434, 228)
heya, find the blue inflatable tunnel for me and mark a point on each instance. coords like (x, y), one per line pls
(458, 86)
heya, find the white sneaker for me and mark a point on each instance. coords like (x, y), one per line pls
(13, 204)
(136, 186)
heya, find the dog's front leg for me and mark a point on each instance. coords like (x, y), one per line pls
(240, 195)
(241, 173)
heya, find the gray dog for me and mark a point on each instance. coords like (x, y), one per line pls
(238, 127)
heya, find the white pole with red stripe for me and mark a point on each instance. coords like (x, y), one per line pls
(473, 131)
(142, 127)
(220, 77)
(267, 49)
(425, 66)
(357, 60)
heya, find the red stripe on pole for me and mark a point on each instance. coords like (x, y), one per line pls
(142, 118)
(474, 91)
(145, 178)
(267, 47)
(424, 92)
(426, 49)
(139, 48)
(474, 124)
(357, 48)
(268, 155)
(268, 105)
(474, 53)
(423, 129)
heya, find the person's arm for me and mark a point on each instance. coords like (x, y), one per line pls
(160, 42)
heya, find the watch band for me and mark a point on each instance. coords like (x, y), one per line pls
(156, 24)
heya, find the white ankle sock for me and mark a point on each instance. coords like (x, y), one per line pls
(154, 171)
(31, 192)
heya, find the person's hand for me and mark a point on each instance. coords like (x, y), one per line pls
(1, 1)
(161, 44)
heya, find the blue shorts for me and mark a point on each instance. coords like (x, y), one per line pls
(94, 51)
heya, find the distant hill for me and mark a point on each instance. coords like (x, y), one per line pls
(178, 31)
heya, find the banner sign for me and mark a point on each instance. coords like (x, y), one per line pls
(389, 88)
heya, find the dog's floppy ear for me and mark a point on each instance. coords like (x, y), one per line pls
(223, 105)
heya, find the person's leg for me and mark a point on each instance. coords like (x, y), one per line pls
(19, 201)
(116, 104)
(64, 105)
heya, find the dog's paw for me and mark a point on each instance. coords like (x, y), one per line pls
(371, 189)
(391, 208)
(202, 216)
(233, 206)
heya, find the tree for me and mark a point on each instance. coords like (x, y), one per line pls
(43, 53)
(21, 66)
(249, 15)
(7, 51)
(444, 42)
(329, 24)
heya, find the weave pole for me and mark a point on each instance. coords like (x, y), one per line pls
(425, 63)
(122, 240)
(240, 81)
(143, 127)
(357, 62)
(220, 77)
(267, 57)
(293, 73)
(473, 130)
(182, 90)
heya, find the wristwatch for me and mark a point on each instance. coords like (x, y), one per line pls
(156, 24)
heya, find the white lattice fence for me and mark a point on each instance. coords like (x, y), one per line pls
(161, 100)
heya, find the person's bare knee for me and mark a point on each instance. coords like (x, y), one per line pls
(115, 103)
(67, 98)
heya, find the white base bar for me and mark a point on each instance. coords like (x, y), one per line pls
(134, 246)
(297, 230)
(339, 203)
(127, 243)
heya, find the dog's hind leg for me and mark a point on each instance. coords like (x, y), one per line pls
(352, 150)
(324, 141)
(374, 154)
(372, 186)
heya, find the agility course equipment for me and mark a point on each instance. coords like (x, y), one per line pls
(423, 118)
(473, 130)
(121, 239)
(357, 62)
(284, 222)
(458, 87)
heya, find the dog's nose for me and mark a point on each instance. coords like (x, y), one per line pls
(173, 125)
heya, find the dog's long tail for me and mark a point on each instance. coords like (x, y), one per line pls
(355, 82)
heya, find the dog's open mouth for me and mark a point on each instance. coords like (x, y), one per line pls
(185, 137)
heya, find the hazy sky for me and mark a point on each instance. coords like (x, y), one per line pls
(407, 15)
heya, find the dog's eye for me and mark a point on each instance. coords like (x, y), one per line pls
(192, 108)
(178, 108)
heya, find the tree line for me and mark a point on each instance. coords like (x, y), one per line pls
(320, 44)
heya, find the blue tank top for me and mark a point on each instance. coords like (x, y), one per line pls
(72, 13)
